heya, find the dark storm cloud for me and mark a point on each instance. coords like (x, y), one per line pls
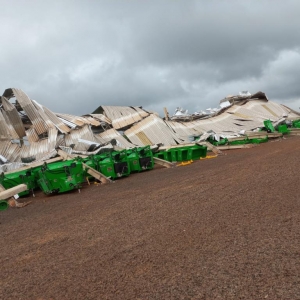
(73, 56)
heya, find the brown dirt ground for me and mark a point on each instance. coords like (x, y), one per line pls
(223, 228)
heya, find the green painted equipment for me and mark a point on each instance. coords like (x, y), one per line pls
(296, 124)
(283, 129)
(121, 164)
(113, 164)
(184, 153)
(105, 165)
(239, 142)
(221, 142)
(195, 152)
(3, 205)
(269, 126)
(27, 177)
(140, 159)
(258, 140)
(61, 177)
(89, 161)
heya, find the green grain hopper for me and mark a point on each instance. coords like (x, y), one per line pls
(269, 126)
(113, 164)
(60, 177)
(296, 124)
(140, 159)
(27, 177)
(184, 153)
(283, 129)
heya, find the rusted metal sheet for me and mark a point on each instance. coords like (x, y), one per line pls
(110, 134)
(14, 117)
(152, 130)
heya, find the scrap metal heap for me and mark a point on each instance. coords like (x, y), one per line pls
(31, 132)
(58, 152)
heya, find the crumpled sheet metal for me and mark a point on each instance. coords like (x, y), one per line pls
(183, 130)
(5, 133)
(33, 114)
(150, 131)
(61, 126)
(13, 117)
(78, 121)
(42, 148)
(10, 151)
(123, 116)
(101, 118)
(110, 134)
(81, 133)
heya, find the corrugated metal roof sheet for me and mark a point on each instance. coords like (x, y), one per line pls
(183, 130)
(4, 130)
(152, 130)
(122, 116)
(42, 148)
(110, 134)
(79, 121)
(56, 121)
(10, 151)
(32, 136)
(101, 118)
(81, 133)
(13, 117)
(39, 124)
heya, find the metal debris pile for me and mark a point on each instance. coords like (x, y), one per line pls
(31, 132)
(32, 137)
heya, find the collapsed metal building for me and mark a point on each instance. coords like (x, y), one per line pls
(31, 132)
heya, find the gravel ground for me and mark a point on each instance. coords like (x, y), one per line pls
(223, 228)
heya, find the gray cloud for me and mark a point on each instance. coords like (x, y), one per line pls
(73, 56)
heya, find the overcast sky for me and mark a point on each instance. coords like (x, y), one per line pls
(73, 56)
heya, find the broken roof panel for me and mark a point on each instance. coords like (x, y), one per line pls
(101, 117)
(150, 131)
(122, 116)
(4, 129)
(14, 117)
(183, 130)
(79, 121)
(31, 111)
(81, 133)
(10, 151)
(110, 134)
(56, 121)
(44, 148)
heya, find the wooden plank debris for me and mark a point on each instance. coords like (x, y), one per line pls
(67, 156)
(102, 178)
(211, 147)
(36, 164)
(2, 189)
(13, 191)
(229, 147)
(164, 163)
